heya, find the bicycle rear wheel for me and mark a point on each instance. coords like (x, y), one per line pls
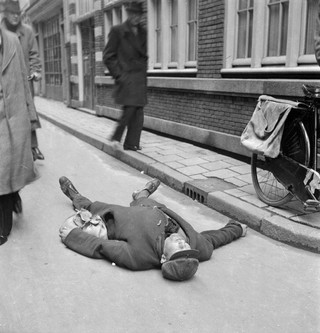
(295, 144)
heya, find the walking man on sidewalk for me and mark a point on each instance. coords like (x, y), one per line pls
(145, 235)
(125, 56)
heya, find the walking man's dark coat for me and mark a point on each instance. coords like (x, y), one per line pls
(125, 56)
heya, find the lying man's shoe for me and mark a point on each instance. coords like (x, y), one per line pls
(67, 188)
(150, 188)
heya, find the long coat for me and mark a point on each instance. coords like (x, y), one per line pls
(31, 55)
(17, 110)
(136, 235)
(125, 56)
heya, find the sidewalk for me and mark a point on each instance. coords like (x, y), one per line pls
(218, 181)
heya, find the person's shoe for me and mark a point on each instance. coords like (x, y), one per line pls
(67, 188)
(17, 203)
(36, 153)
(3, 239)
(134, 148)
(150, 187)
(115, 145)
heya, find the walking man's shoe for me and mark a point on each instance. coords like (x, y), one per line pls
(150, 188)
(67, 188)
(36, 153)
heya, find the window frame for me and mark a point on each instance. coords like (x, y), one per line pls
(181, 65)
(259, 61)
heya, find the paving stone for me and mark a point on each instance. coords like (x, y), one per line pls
(192, 161)
(237, 182)
(223, 174)
(245, 178)
(242, 169)
(254, 200)
(169, 158)
(174, 165)
(191, 170)
(217, 165)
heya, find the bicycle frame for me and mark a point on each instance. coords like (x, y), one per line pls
(296, 166)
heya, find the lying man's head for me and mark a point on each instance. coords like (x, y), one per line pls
(179, 261)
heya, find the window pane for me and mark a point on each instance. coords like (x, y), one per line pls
(245, 21)
(284, 28)
(174, 30)
(278, 27)
(273, 30)
(192, 29)
(242, 33)
(243, 4)
(310, 26)
(158, 31)
(52, 52)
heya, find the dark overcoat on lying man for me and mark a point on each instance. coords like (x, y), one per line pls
(136, 234)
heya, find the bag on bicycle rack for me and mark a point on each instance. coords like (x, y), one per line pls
(263, 132)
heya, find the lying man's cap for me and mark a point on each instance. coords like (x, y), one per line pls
(182, 265)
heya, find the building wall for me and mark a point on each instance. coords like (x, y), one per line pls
(206, 112)
(210, 106)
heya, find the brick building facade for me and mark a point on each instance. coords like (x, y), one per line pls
(208, 95)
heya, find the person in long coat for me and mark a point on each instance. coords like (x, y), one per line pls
(145, 235)
(125, 56)
(17, 112)
(27, 38)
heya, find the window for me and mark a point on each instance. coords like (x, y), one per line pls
(85, 7)
(113, 16)
(312, 8)
(174, 37)
(174, 31)
(269, 36)
(158, 32)
(245, 19)
(192, 23)
(278, 27)
(52, 52)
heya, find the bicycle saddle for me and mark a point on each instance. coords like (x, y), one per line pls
(311, 91)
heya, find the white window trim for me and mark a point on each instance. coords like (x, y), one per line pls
(182, 65)
(259, 60)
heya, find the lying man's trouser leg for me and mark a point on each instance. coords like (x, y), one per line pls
(81, 202)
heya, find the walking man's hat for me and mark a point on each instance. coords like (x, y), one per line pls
(12, 6)
(134, 7)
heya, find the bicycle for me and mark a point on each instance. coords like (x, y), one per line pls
(294, 172)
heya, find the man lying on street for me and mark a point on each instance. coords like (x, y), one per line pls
(143, 236)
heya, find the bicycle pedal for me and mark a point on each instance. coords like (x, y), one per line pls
(311, 205)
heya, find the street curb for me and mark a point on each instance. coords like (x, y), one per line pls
(238, 209)
(265, 222)
(279, 228)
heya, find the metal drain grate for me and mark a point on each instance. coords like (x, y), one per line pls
(195, 194)
(199, 189)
